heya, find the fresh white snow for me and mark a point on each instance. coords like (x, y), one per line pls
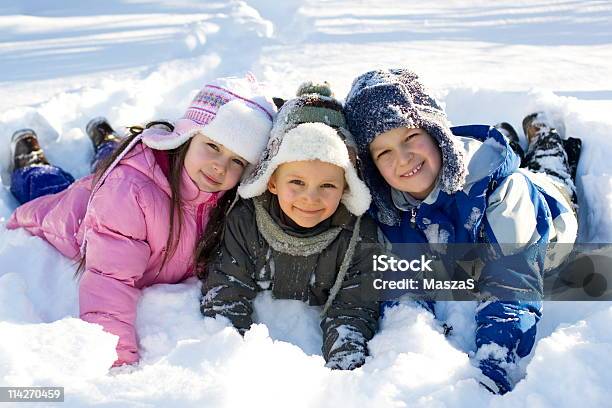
(65, 62)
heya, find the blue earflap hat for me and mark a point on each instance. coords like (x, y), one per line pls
(382, 100)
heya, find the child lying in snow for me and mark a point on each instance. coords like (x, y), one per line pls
(465, 181)
(123, 223)
(299, 231)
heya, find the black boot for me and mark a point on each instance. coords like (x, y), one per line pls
(573, 147)
(511, 136)
(100, 131)
(547, 152)
(25, 149)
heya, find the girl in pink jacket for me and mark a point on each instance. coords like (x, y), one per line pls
(137, 221)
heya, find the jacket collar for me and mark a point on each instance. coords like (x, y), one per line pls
(281, 241)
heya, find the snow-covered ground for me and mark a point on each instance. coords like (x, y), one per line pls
(64, 62)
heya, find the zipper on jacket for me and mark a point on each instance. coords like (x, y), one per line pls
(200, 219)
(413, 214)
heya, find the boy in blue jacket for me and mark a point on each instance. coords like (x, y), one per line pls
(433, 184)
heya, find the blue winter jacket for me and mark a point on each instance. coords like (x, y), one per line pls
(499, 204)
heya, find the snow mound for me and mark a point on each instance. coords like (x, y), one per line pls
(133, 61)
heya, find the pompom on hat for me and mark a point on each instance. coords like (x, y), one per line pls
(311, 127)
(230, 111)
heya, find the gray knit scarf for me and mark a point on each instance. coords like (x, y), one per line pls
(280, 241)
(294, 246)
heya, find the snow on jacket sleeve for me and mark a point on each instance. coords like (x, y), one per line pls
(352, 319)
(518, 219)
(229, 287)
(116, 256)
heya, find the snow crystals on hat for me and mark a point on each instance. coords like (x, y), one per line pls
(310, 127)
(387, 99)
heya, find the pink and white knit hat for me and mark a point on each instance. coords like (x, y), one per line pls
(230, 111)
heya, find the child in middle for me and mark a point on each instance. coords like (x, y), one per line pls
(300, 231)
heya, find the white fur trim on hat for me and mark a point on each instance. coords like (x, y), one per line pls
(238, 126)
(314, 141)
(242, 128)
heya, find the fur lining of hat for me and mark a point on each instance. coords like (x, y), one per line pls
(237, 126)
(313, 141)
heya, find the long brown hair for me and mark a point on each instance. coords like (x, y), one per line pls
(210, 241)
(176, 159)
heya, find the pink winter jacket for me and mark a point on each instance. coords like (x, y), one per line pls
(126, 229)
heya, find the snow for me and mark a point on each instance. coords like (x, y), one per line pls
(63, 63)
(473, 218)
(435, 235)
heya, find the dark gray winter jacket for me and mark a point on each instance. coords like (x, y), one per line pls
(261, 250)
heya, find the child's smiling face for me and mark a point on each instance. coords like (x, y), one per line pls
(211, 166)
(409, 159)
(308, 192)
